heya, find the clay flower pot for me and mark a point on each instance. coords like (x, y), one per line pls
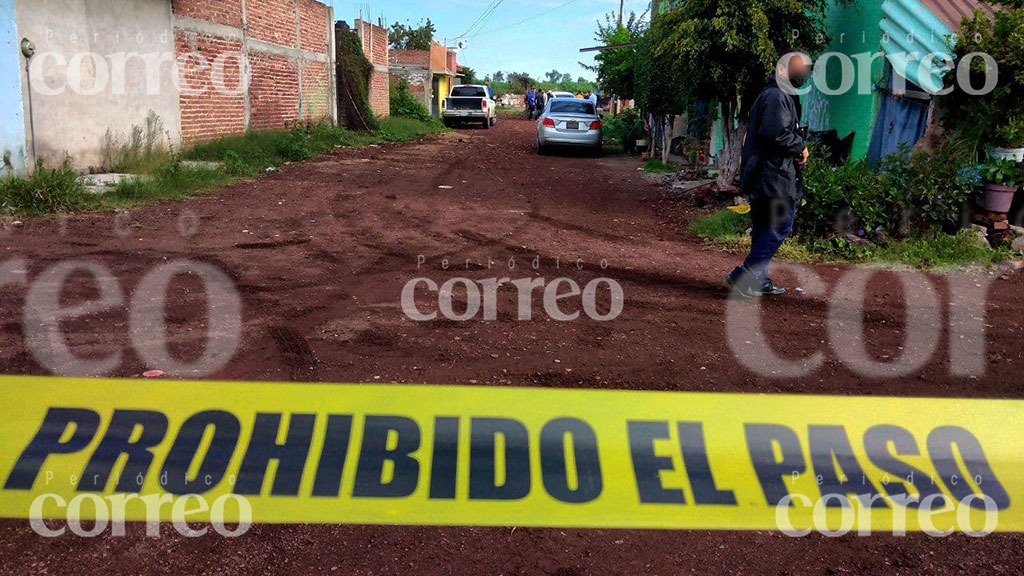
(996, 198)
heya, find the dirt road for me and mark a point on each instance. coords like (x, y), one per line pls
(321, 252)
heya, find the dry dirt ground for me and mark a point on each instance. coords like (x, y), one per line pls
(320, 253)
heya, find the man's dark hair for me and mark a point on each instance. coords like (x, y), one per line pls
(793, 48)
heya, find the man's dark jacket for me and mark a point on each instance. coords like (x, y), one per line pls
(772, 147)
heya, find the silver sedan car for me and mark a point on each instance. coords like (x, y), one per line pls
(569, 122)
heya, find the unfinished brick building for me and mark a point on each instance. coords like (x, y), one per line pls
(188, 70)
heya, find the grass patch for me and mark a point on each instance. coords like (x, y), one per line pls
(728, 230)
(171, 182)
(720, 225)
(511, 111)
(162, 176)
(656, 166)
(44, 192)
(254, 153)
(402, 129)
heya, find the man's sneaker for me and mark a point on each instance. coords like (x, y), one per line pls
(741, 287)
(768, 288)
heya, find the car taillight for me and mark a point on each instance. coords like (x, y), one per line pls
(596, 125)
(483, 104)
(548, 122)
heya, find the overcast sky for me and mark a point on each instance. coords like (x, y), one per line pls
(550, 38)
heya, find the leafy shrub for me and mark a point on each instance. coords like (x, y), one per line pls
(847, 198)
(295, 147)
(624, 129)
(906, 195)
(939, 191)
(405, 104)
(995, 118)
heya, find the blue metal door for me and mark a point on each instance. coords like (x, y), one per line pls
(901, 122)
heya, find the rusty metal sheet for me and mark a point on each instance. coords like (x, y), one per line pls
(952, 12)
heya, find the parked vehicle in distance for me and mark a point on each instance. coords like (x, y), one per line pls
(570, 123)
(470, 103)
(561, 94)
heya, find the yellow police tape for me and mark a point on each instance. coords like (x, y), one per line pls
(426, 455)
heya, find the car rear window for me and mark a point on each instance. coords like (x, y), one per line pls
(468, 91)
(566, 106)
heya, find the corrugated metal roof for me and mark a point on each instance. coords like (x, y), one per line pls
(912, 31)
(915, 28)
(952, 12)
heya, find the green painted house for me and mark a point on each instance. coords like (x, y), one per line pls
(885, 61)
(901, 51)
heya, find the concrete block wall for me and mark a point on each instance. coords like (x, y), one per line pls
(99, 73)
(90, 85)
(414, 67)
(375, 47)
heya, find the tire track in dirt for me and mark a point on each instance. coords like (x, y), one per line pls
(304, 307)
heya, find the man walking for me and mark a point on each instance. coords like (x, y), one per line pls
(531, 103)
(773, 156)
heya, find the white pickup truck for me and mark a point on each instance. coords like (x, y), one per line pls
(470, 103)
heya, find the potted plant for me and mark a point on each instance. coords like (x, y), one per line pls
(1002, 179)
(1009, 141)
(991, 120)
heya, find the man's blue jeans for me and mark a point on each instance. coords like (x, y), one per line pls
(772, 222)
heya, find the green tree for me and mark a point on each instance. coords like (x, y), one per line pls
(995, 118)
(554, 76)
(616, 68)
(408, 37)
(499, 76)
(724, 50)
(520, 82)
(469, 76)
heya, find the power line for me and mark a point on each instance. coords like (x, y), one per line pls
(481, 20)
(524, 21)
(487, 17)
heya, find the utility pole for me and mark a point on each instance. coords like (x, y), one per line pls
(622, 8)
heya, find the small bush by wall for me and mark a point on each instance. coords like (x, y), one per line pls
(404, 103)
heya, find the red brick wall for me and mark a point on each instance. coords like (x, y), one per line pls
(273, 92)
(380, 95)
(274, 21)
(375, 47)
(316, 97)
(314, 26)
(278, 95)
(227, 12)
(411, 57)
(211, 113)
